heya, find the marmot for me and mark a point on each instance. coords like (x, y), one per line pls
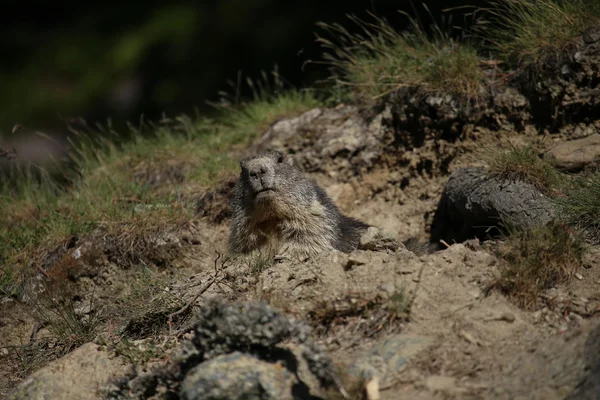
(277, 209)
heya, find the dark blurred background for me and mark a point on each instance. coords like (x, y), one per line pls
(120, 60)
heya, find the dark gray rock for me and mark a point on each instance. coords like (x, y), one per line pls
(264, 352)
(476, 204)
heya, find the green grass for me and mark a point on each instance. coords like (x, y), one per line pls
(369, 65)
(522, 163)
(532, 31)
(132, 190)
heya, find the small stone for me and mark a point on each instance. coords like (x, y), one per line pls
(375, 239)
(352, 262)
(507, 316)
(440, 383)
(77, 253)
(578, 276)
(468, 337)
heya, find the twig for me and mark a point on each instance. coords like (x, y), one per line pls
(203, 289)
(32, 338)
(442, 241)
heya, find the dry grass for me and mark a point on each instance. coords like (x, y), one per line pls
(536, 260)
(534, 31)
(580, 206)
(377, 313)
(380, 60)
(521, 163)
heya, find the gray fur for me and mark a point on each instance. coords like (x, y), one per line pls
(276, 207)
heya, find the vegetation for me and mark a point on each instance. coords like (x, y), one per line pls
(536, 260)
(580, 206)
(522, 163)
(531, 31)
(132, 191)
(372, 64)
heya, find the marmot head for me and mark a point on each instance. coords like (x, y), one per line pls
(268, 177)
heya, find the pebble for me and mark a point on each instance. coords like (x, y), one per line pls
(507, 316)
(578, 276)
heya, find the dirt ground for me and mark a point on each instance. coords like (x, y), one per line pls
(467, 342)
(471, 337)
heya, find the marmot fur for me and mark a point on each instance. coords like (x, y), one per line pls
(277, 209)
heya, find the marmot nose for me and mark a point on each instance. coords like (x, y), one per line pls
(259, 172)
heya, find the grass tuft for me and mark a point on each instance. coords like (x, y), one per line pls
(380, 60)
(522, 163)
(534, 31)
(536, 260)
(580, 207)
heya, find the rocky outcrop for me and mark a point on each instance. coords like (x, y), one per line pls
(238, 351)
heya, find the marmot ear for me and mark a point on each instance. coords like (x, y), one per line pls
(284, 158)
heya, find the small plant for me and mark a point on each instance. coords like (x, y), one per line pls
(71, 325)
(580, 207)
(139, 353)
(398, 304)
(377, 313)
(259, 262)
(372, 64)
(522, 163)
(535, 260)
(532, 31)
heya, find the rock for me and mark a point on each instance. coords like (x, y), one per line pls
(375, 239)
(262, 351)
(238, 376)
(576, 154)
(328, 140)
(77, 376)
(475, 204)
(387, 358)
